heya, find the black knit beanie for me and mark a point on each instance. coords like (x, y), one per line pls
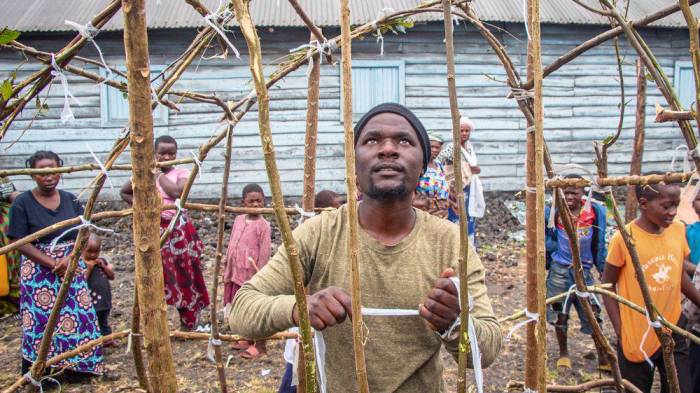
(404, 112)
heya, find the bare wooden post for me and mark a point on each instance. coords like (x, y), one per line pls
(462, 357)
(535, 66)
(350, 181)
(312, 97)
(221, 220)
(638, 152)
(137, 343)
(146, 221)
(256, 68)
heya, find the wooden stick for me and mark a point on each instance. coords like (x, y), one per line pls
(601, 342)
(127, 212)
(84, 167)
(603, 37)
(256, 67)
(229, 337)
(146, 222)
(535, 64)
(635, 180)
(554, 299)
(664, 115)
(125, 333)
(351, 187)
(463, 259)
(657, 72)
(137, 343)
(312, 106)
(638, 151)
(44, 76)
(664, 336)
(315, 30)
(580, 388)
(220, 252)
(532, 356)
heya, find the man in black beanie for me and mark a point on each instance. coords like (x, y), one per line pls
(406, 260)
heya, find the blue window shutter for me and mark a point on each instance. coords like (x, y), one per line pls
(114, 105)
(376, 82)
(684, 83)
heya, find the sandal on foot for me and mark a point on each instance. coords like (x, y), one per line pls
(252, 353)
(564, 362)
(241, 345)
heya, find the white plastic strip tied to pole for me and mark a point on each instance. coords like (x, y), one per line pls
(320, 346)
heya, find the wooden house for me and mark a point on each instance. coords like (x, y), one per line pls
(581, 99)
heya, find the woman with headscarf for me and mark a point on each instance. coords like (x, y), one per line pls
(433, 191)
(473, 191)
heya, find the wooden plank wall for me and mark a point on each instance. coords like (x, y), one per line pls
(581, 105)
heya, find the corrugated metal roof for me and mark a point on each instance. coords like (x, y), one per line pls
(50, 15)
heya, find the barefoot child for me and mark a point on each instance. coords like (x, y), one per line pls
(590, 225)
(662, 249)
(248, 251)
(98, 274)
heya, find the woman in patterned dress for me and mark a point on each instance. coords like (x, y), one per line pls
(182, 269)
(433, 191)
(43, 265)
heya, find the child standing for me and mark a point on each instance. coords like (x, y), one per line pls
(98, 274)
(690, 311)
(662, 249)
(248, 251)
(590, 227)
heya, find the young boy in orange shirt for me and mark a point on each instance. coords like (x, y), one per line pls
(662, 250)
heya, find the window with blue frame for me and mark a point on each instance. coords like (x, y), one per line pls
(375, 82)
(114, 106)
(684, 83)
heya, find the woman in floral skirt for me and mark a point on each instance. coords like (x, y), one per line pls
(42, 268)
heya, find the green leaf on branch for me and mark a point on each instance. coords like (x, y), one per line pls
(7, 35)
(6, 89)
(608, 139)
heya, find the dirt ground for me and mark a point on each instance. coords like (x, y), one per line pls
(499, 248)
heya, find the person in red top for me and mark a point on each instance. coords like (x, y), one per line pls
(662, 248)
(182, 268)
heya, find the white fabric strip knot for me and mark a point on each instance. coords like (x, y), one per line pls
(303, 215)
(521, 94)
(531, 317)
(89, 32)
(129, 341)
(651, 324)
(320, 346)
(38, 384)
(212, 21)
(210, 348)
(375, 25)
(67, 112)
(101, 165)
(580, 294)
(83, 224)
(178, 217)
(198, 163)
(684, 156)
(527, 29)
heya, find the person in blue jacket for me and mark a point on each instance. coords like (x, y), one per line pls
(590, 223)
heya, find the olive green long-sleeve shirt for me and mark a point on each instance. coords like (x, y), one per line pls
(402, 353)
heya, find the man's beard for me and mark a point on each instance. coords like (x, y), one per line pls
(392, 194)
